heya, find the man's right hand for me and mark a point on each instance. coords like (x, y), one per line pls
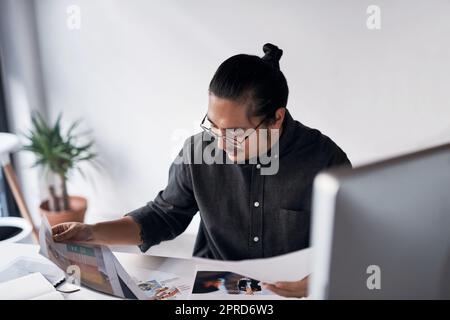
(124, 231)
(73, 232)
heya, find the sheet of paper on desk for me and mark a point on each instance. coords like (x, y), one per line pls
(98, 267)
(22, 266)
(31, 286)
(215, 284)
(288, 267)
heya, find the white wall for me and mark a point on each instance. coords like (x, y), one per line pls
(138, 73)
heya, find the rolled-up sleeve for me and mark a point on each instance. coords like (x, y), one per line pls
(170, 213)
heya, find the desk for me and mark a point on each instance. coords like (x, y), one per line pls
(182, 267)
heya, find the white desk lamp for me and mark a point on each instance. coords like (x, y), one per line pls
(10, 143)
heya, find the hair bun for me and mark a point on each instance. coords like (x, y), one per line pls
(272, 54)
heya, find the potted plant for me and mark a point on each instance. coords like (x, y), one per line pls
(58, 154)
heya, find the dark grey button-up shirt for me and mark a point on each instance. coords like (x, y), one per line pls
(244, 214)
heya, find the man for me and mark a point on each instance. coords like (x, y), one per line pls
(253, 186)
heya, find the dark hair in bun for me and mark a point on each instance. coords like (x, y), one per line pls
(272, 55)
(255, 81)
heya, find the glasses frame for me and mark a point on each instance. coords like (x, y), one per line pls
(234, 141)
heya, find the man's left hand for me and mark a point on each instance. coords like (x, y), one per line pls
(291, 289)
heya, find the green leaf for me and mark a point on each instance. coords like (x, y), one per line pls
(56, 151)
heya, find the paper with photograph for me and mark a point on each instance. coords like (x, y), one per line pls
(99, 268)
(288, 267)
(226, 285)
(158, 285)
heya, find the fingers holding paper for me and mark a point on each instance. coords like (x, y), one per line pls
(72, 232)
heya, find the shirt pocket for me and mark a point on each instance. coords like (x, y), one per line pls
(294, 229)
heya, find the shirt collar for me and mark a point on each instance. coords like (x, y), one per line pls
(287, 134)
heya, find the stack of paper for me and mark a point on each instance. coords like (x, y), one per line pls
(32, 286)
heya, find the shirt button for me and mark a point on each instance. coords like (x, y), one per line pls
(256, 204)
(258, 166)
(255, 239)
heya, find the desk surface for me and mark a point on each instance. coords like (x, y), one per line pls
(182, 267)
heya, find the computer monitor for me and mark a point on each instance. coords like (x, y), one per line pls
(382, 231)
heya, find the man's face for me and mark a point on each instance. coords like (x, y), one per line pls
(228, 114)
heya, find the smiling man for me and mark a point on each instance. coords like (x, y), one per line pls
(246, 212)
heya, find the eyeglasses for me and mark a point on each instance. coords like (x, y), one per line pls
(234, 136)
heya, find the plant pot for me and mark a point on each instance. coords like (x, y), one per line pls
(78, 207)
